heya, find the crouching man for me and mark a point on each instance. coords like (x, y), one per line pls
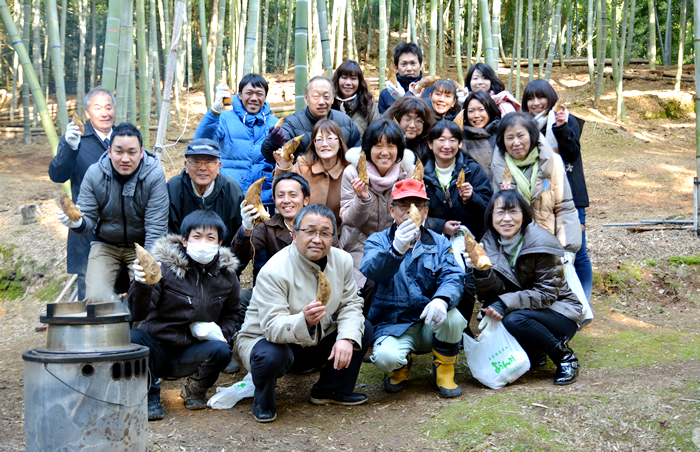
(419, 287)
(287, 330)
(199, 284)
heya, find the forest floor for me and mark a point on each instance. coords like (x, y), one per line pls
(638, 390)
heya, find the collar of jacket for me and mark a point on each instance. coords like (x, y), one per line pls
(170, 252)
(90, 130)
(281, 231)
(313, 120)
(335, 172)
(460, 164)
(306, 263)
(148, 163)
(249, 119)
(187, 185)
(476, 133)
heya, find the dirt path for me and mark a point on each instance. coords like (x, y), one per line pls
(640, 385)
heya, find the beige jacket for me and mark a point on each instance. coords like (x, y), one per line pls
(552, 202)
(363, 218)
(284, 286)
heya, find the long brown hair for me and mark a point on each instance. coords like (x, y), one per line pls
(329, 126)
(364, 96)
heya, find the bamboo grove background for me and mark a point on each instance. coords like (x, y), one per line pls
(124, 45)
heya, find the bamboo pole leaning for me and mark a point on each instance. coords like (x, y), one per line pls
(57, 63)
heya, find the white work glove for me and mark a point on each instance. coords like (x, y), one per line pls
(568, 257)
(249, 213)
(468, 260)
(435, 311)
(73, 136)
(67, 222)
(396, 91)
(406, 233)
(139, 274)
(222, 90)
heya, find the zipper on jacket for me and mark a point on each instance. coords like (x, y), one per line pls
(189, 299)
(124, 218)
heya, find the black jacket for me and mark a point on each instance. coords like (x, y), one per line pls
(187, 293)
(225, 200)
(470, 214)
(478, 144)
(302, 123)
(72, 165)
(568, 137)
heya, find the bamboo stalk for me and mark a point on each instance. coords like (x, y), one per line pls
(325, 42)
(57, 63)
(142, 55)
(82, 25)
(487, 38)
(621, 64)
(553, 40)
(25, 86)
(458, 38)
(111, 46)
(218, 65)
(382, 44)
(301, 70)
(124, 61)
(93, 45)
(681, 44)
(433, 36)
(205, 56)
(290, 12)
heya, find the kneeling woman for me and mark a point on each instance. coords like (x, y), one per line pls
(526, 287)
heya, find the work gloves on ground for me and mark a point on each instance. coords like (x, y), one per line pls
(406, 233)
(73, 135)
(67, 222)
(139, 274)
(277, 137)
(249, 213)
(222, 91)
(435, 312)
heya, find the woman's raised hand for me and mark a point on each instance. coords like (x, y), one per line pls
(281, 162)
(360, 188)
(466, 191)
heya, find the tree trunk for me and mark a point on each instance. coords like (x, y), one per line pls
(489, 55)
(154, 66)
(370, 32)
(630, 32)
(568, 38)
(589, 41)
(340, 32)
(57, 61)
(382, 44)
(218, 65)
(64, 11)
(242, 34)
(433, 35)
(603, 22)
(387, 5)
(519, 33)
(621, 64)
(205, 56)
(553, 40)
(411, 19)
(263, 59)
(133, 107)
(82, 25)
(301, 70)
(142, 54)
(496, 28)
(212, 44)
(669, 40)
(458, 38)
(543, 42)
(652, 35)
(26, 31)
(93, 45)
(681, 43)
(696, 23)
(125, 61)
(111, 47)
(441, 33)
(15, 67)
(613, 40)
(470, 35)
(325, 44)
(278, 19)
(233, 31)
(289, 36)
(350, 32)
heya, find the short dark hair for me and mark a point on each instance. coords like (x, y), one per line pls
(496, 84)
(511, 199)
(205, 219)
(518, 118)
(407, 47)
(436, 130)
(412, 104)
(364, 95)
(257, 80)
(316, 79)
(383, 128)
(485, 100)
(328, 126)
(94, 92)
(319, 209)
(539, 88)
(305, 190)
(127, 129)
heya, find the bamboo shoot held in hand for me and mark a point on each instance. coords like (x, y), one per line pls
(507, 179)
(419, 171)
(362, 169)
(289, 148)
(279, 123)
(149, 264)
(461, 178)
(69, 208)
(415, 215)
(78, 121)
(252, 198)
(459, 119)
(426, 82)
(476, 253)
(323, 290)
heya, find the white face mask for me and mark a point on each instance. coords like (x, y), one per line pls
(202, 252)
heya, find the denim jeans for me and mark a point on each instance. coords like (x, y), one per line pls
(539, 329)
(582, 264)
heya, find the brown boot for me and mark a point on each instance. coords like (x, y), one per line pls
(194, 395)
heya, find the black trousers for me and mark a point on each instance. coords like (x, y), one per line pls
(539, 329)
(269, 361)
(202, 361)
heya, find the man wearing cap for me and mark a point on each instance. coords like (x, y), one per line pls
(200, 186)
(419, 285)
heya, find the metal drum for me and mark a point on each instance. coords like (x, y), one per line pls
(87, 388)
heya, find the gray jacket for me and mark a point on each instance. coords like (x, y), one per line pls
(136, 212)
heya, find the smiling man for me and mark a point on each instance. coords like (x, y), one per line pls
(408, 63)
(287, 330)
(125, 201)
(319, 97)
(200, 186)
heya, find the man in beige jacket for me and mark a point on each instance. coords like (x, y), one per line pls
(287, 330)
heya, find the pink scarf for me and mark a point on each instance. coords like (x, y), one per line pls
(506, 102)
(383, 183)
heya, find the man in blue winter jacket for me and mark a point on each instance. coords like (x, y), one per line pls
(241, 131)
(419, 285)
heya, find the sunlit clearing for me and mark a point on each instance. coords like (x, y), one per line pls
(618, 317)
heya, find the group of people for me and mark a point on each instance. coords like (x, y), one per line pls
(373, 202)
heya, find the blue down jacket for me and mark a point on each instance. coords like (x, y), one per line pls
(406, 284)
(240, 135)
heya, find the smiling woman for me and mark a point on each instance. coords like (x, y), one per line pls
(483, 118)
(352, 96)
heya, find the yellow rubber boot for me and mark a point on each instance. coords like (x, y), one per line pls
(398, 379)
(444, 373)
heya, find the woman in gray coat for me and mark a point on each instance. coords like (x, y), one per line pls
(526, 287)
(352, 96)
(481, 120)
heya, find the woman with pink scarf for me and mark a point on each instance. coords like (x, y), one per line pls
(364, 208)
(481, 78)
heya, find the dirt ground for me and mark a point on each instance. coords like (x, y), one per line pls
(639, 389)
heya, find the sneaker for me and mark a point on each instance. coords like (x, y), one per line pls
(322, 396)
(155, 409)
(263, 416)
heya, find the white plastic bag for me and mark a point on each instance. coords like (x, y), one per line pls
(207, 331)
(576, 287)
(226, 398)
(458, 247)
(497, 358)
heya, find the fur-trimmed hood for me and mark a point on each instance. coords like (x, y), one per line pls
(169, 251)
(408, 162)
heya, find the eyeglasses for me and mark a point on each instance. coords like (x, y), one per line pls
(310, 234)
(416, 122)
(207, 163)
(329, 140)
(500, 213)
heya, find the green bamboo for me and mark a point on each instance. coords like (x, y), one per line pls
(111, 46)
(496, 29)
(519, 34)
(125, 61)
(350, 32)
(211, 41)
(613, 40)
(603, 19)
(133, 105)
(218, 66)
(543, 42)
(620, 111)
(36, 50)
(470, 35)
(433, 36)
(411, 20)
(652, 35)
(251, 39)
(681, 44)
(489, 51)
(340, 32)
(696, 11)
(458, 38)
(370, 33)
(301, 70)
(27, 12)
(325, 43)
(205, 56)
(15, 68)
(154, 66)
(93, 45)
(142, 55)
(441, 34)
(630, 32)
(589, 40)
(64, 11)
(82, 25)
(290, 13)
(266, 18)
(553, 40)
(57, 64)
(530, 43)
(382, 44)
(276, 42)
